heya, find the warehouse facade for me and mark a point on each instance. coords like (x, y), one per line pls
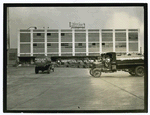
(76, 42)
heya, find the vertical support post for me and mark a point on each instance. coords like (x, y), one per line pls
(87, 43)
(45, 42)
(100, 41)
(31, 45)
(114, 41)
(127, 41)
(18, 43)
(59, 40)
(73, 42)
(139, 43)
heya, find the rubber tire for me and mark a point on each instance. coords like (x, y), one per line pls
(91, 72)
(96, 73)
(84, 66)
(36, 71)
(141, 68)
(67, 65)
(48, 70)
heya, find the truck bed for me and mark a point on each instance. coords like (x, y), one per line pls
(125, 63)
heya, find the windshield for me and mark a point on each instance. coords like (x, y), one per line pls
(42, 59)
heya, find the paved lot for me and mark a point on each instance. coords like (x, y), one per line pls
(72, 89)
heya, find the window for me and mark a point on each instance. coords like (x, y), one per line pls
(120, 47)
(34, 44)
(133, 36)
(107, 36)
(93, 44)
(48, 44)
(79, 44)
(48, 34)
(103, 43)
(120, 36)
(64, 44)
(38, 34)
(133, 46)
(62, 34)
(107, 47)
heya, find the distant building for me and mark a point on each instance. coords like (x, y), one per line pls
(12, 56)
(76, 42)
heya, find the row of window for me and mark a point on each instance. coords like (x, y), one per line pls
(77, 30)
(103, 34)
(107, 47)
(83, 44)
(79, 44)
(80, 37)
(49, 34)
(67, 44)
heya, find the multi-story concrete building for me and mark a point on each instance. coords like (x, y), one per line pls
(76, 42)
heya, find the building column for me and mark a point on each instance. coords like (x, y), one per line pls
(100, 41)
(139, 42)
(59, 40)
(127, 41)
(45, 42)
(87, 43)
(18, 43)
(31, 44)
(73, 42)
(114, 41)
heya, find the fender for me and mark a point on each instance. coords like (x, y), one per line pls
(99, 69)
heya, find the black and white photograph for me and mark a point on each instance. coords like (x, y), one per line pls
(72, 58)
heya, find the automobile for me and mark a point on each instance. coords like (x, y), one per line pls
(43, 64)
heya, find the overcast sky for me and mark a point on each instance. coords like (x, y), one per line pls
(59, 18)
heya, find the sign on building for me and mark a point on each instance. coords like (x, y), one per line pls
(76, 25)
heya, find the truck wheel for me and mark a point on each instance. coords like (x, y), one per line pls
(96, 73)
(48, 71)
(84, 66)
(36, 70)
(139, 71)
(67, 65)
(91, 72)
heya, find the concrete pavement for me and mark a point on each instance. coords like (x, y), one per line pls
(73, 89)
